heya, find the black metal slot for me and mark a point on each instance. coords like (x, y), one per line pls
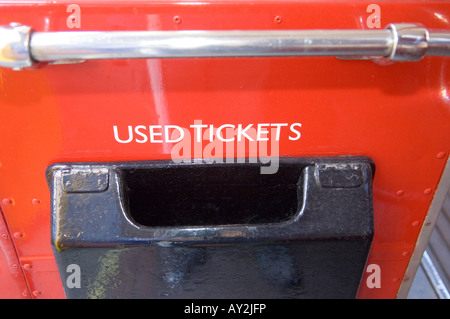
(93, 203)
(199, 195)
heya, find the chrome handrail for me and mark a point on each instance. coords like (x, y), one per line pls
(21, 47)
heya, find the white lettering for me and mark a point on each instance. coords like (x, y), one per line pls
(176, 128)
(182, 149)
(198, 132)
(262, 131)
(263, 141)
(212, 310)
(130, 134)
(211, 133)
(246, 308)
(74, 20)
(273, 158)
(74, 279)
(278, 126)
(241, 132)
(374, 279)
(220, 130)
(143, 135)
(374, 20)
(152, 133)
(213, 151)
(298, 135)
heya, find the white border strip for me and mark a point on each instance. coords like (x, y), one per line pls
(425, 233)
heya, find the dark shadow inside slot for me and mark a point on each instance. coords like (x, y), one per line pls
(201, 195)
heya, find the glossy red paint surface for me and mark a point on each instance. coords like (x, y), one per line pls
(399, 115)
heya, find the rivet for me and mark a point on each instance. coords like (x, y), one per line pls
(18, 235)
(278, 19)
(25, 293)
(4, 236)
(35, 201)
(440, 155)
(27, 266)
(428, 224)
(36, 293)
(427, 191)
(177, 19)
(416, 223)
(405, 253)
(7, 201)
(400, 192)
(396, 279)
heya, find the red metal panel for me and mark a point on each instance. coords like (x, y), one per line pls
(398, 114)
(13, 283)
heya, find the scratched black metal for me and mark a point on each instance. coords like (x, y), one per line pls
(198, 230)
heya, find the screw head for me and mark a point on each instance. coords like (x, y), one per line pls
(400, 192)
(278, 19)
(18, 235)
(7, 201)
(440, 155)
(177, 19)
